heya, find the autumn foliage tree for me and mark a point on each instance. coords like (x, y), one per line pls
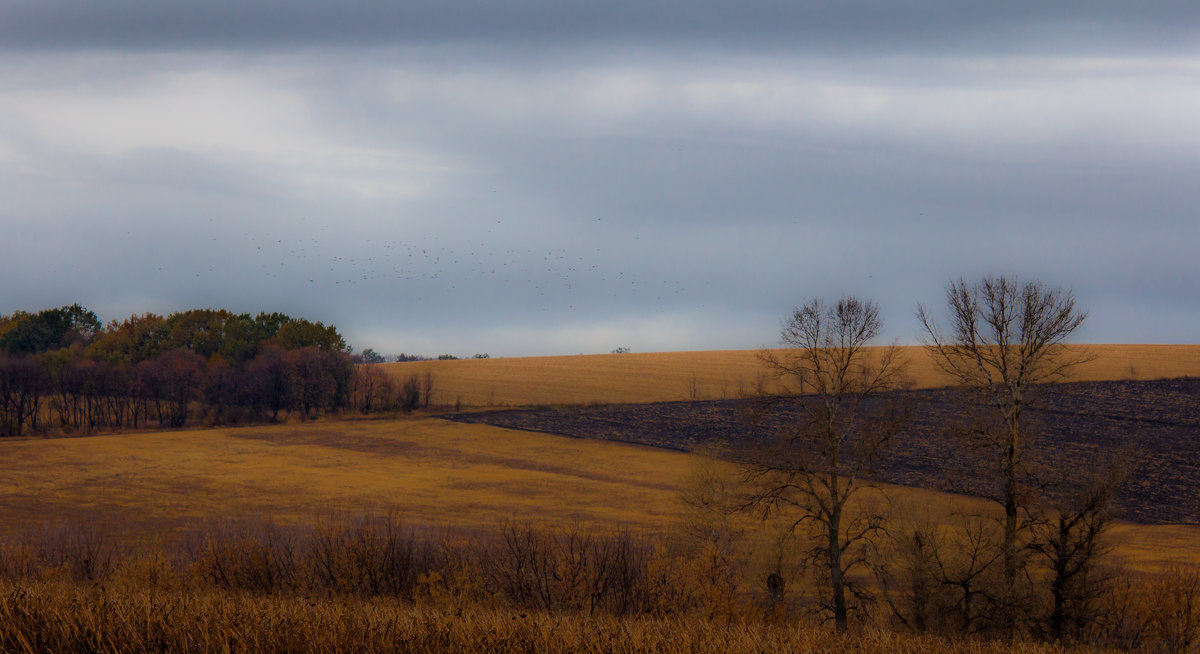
(62, 365)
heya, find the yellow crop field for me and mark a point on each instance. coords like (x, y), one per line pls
(668, 376)
(429, 471)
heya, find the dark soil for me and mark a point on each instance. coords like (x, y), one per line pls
(1079, 428)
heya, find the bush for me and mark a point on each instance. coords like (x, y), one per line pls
(410, 394)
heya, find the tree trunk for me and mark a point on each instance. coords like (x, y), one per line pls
(1007, 609)
(837, 581)
(837, 577)
(1011, 524)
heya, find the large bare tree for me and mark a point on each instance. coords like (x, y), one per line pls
(816, 466)
(1006, 337)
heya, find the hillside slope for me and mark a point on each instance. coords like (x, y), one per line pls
(429, 472)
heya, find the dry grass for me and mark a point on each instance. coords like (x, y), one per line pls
(1150, 549)
(430, 472)
(669, 376)
(67, 618)
(1140, 549)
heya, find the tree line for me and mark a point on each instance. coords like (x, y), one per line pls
(62, 369)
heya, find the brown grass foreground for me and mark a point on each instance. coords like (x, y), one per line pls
(371, 584)
(670, 376)
(56, 617)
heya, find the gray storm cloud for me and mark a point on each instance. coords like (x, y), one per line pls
(543, 178)
(873, 26)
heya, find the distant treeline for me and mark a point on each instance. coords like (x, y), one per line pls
(62, 369)
(371, 356)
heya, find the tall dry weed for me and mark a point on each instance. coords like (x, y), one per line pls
(1159, 614)
(69, 618)
(371, 584)
(74, 550)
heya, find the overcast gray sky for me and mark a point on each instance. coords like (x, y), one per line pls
(556, 177)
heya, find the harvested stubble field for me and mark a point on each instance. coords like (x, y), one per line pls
(711, 375)
(430, 471)
(1156, 422)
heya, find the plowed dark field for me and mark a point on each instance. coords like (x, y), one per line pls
(1154, 426)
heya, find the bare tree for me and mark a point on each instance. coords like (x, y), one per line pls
(709, 497)
(1070, 543)
(816, 466)
(964, 569)
(1006, 337)
(426, 389)
(905, 570)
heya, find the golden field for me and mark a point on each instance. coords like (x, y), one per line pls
(670, 376)
(428, 471)
(436, 472)
(431, 471)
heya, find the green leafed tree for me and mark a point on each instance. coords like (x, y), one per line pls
(300, 333)
(49, 329)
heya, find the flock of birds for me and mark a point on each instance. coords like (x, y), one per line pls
(466, 269)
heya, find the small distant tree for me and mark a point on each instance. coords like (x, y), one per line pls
(410, 394)
(371, 389)
(447, 357)
(370, 356)
(816, 465)
(709, 496)
(426, 389)
(621, 350)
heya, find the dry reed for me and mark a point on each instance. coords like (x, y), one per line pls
(59, 617)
